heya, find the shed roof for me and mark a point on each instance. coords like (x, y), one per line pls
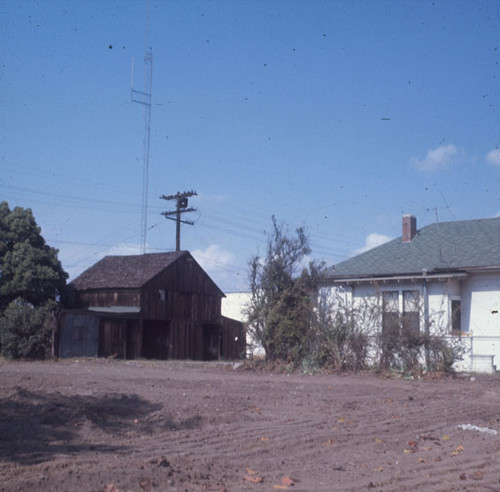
(131, 271)
(439, 247)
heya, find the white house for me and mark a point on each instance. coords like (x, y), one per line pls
(443, 278)
(234, 306)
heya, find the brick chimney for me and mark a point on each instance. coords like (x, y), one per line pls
(409, 228)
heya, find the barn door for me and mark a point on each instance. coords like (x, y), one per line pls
(211, 342)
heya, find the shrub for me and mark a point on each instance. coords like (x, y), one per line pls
(339, 340)
(26, 332)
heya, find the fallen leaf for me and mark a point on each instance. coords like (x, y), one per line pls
(250, 471)
(341, 420)
(412, 444)
(421, 460)
(264, 439)
(445, 438)
(378, 441)
(287, 481)
(460, 448)
(329, 442)
(378, 469)
(146, 484)
(425, 448)
(479, 475)
(253, 478)
(110, 488)
(280, 487)
(408, 451)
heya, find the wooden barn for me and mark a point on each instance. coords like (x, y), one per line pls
(158, 306)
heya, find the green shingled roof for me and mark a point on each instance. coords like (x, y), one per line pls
(440, 247)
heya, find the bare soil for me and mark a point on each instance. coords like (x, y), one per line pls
(96, 425)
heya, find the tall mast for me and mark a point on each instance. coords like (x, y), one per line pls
(144, 97)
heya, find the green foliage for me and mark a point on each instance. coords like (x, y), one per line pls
(31, 281)
(304, 326)
(29, 268)
(281, 306)
(26, 331)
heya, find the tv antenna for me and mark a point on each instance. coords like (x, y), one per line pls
(144, 97)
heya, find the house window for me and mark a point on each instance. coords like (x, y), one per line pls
(390, 313)
(456, 316)
(411, 312)
(396, 321)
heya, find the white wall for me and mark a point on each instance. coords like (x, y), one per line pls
(481, 303)
(233, 306)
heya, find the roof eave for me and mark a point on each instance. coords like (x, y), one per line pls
(393, 278)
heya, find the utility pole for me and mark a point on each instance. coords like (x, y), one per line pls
(181, 207)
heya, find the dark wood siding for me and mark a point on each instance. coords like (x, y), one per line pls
(184, 291)
(233, 343)
(180, 314)
(120, 337)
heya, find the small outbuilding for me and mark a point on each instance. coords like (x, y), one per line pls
(158, 306)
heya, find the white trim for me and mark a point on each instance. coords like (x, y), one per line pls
(115, 309)
(400, 278)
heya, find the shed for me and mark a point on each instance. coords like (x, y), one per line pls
(160, 306)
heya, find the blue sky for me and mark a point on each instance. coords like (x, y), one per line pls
(338, 116)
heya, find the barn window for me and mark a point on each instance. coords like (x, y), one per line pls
(162, 295)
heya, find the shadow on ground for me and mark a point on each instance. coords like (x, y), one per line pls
(34, 426)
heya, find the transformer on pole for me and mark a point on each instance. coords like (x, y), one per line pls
(181, 200)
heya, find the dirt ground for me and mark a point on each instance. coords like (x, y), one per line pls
(110, 425)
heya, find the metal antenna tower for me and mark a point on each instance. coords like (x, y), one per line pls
(144, 97)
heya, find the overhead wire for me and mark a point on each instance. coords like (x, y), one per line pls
(241, 223)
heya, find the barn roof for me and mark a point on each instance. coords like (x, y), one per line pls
(131, 271)
(439, 247)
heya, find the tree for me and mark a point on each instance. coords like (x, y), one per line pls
(281, 305)
(31, 276)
